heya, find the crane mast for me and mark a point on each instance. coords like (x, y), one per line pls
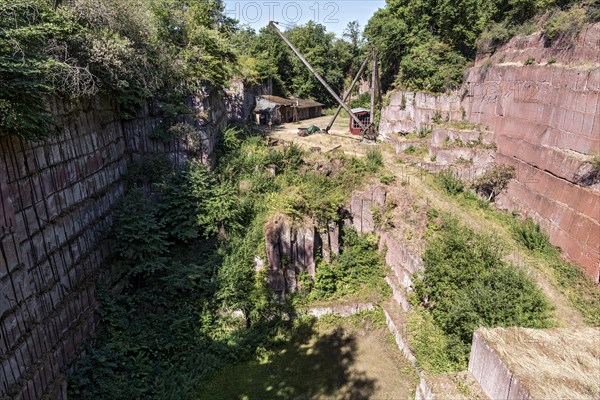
(367, 131)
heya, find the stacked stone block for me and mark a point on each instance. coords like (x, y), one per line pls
(544, 118)
(55, 204)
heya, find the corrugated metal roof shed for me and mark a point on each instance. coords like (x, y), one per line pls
(268, 103)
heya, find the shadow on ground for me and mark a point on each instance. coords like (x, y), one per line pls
(313, 365)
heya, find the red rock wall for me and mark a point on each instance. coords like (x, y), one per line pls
(54, 210)
(55, 205)
(545, 119)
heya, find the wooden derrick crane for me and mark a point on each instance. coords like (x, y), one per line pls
(368, 131)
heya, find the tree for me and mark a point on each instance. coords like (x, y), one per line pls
(139, 237)
(26, 67)
(406, 29)
(494, 180)
(131, 49)
(431, 66)
(221, 212)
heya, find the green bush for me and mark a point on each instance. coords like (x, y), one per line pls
(374, 159)
(358, 265)
(387, 178)
(221, 212)
(530, 234)
(466, 284)
(410, 149)
(431, 66)
(138, 235)
(424, 132)
(183, 196)
(596, 164)
(493, 181)
(364, 101)
(566, 24)
(428, 343)
(490, 39)
(450, 182)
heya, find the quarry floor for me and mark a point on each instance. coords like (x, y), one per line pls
(338, 135)
(422, 185)
(334, 358)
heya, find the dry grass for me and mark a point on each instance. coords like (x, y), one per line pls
(339, 136)
(552, 363)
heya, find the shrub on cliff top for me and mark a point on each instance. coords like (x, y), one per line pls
(565, 23)
(132, 49)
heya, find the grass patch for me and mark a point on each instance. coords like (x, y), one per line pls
(461, 125)
(466, 285)
(567, 278)
(332, 358)
(596, 163)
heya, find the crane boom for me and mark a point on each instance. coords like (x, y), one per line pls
(347, 94)
(316, 74)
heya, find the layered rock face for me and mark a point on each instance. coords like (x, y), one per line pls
(55, 201)
(54, 210)
(541, 104)
(292, 247)
(210, 111)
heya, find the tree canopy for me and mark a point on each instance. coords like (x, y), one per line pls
(335, 59)
(131, 49)
(137, 49)
(426, 44)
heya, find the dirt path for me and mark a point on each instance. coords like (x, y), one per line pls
(338, 135)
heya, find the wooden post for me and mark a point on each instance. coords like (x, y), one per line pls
(373, 79)
(347, 94)
(316, 74)
(378, 80)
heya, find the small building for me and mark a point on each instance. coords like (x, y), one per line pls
(306, 109)
(276, 110)
(363, 115)
(272, 110)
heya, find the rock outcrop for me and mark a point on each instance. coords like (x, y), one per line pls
(292, 248)
(542, 106)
